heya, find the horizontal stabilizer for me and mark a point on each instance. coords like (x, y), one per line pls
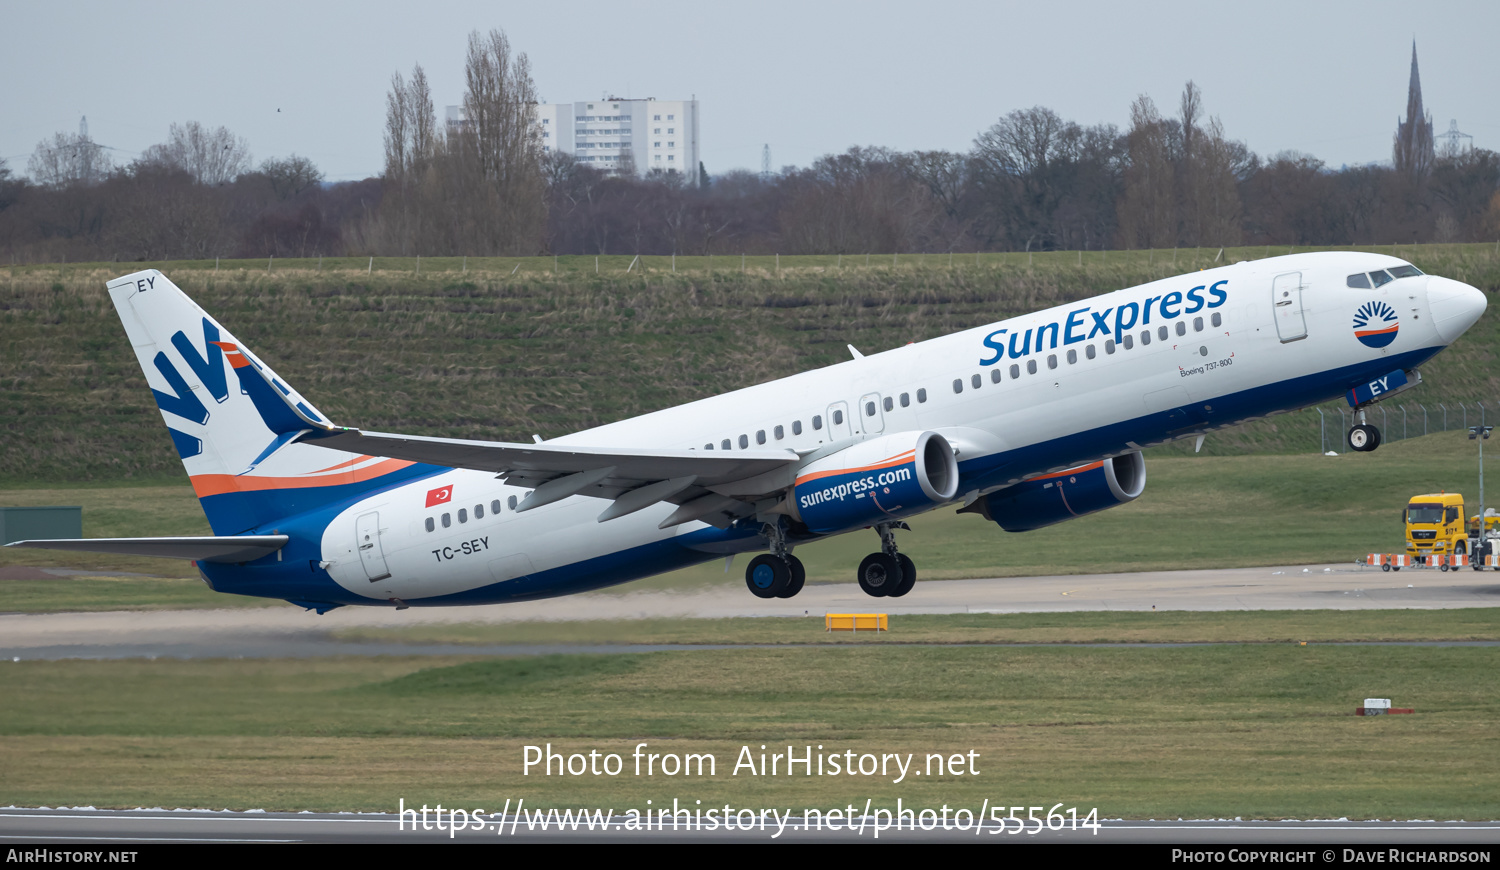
(229, 548)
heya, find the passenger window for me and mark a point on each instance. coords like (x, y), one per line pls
(447, 520)
(744, 441)
(838, 418)
(1051, 360)
(796, 427)
(1109, 345)
(431, 526)
(1181, 328)
(478, 511)
(869, 409)
(906, 400)
(1217, 320)
(1405, 271)
(1090, 352)
(1145, 336)
(1015, 372)
(463, 515)
(724, 444)
(994, 376)
(760, 436)
(1031, 367)
(976, 380)
(817, 421)
(1197, 324)
(708, 446)
(495, 506)
(958, 385)
(1161, 333)
(1129, 341)
(779, 432)
(1380, 278)
(889, 405)
(1358, 282)
(1072, 357)
(921, 395)
(511, 502)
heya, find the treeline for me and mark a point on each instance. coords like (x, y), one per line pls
(485, 186)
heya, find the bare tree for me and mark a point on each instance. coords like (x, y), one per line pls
(1147, 208)
(500, 151)
(211, 157)
(67, 160)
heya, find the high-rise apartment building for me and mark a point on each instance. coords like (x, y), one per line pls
(614, 133)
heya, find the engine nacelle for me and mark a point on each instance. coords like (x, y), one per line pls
(875, 481)
(1065, 495)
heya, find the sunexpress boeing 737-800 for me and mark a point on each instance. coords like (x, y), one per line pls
(1026, 422)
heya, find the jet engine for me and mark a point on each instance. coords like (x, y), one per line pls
(875, 481)
(1065, 495)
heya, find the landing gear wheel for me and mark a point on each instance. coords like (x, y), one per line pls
(799, 577)
(1364, 438)
(879, 573)
(767, 576)
(908, 576)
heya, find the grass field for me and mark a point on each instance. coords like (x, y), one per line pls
(1251, 731)
(1198, 512)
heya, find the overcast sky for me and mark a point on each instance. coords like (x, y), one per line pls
(808, 77)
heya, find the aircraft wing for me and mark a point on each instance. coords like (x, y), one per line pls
(708, 486)
(210, 548)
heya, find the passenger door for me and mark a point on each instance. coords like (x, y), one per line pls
(1286, 299)
(367, 534)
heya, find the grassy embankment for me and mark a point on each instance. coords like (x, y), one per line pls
(1251, 731)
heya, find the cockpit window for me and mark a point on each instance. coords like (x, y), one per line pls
(1360, 281)
(1405, 271)
(1381, 278)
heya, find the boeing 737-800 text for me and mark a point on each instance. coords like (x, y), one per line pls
(1026, 422)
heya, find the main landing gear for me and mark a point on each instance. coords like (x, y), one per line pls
(1363, 437)
(887, 573)
(777, 574)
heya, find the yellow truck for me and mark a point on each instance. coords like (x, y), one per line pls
(1435, 525)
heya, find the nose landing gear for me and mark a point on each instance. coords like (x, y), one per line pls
(1363, 437)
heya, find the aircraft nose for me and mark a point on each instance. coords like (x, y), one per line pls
(1455, 306)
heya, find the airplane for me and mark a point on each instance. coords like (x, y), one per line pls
(1025, 422)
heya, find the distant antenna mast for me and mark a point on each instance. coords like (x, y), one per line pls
(1452, 141)
(83, 127)
(765, 162)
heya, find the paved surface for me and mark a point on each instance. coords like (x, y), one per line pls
(121, 829)
(291, 632)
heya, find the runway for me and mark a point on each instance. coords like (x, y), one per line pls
(287, 631)
(117, 829)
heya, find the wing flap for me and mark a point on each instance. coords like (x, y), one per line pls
(210, 548)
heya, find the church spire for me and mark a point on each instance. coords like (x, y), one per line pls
(1414, 145)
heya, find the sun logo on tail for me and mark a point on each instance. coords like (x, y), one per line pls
(1376, 324)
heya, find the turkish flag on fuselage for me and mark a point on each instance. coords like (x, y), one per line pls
(442, 495)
